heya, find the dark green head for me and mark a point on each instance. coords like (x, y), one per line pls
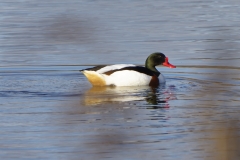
(155, 59)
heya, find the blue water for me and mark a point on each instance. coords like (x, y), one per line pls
(49, 110)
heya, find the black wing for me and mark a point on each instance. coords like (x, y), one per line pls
(132, 68)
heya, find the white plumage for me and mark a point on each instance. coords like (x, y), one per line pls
(113, 67)
(123, 77)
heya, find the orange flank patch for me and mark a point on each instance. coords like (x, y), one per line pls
(154, 81)
(94, 78)
(109, 72)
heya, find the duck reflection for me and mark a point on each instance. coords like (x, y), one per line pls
(145, 95)
(155, 99)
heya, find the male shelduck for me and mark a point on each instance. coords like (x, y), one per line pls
(129, 74)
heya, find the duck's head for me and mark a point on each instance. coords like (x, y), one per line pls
(156, 59)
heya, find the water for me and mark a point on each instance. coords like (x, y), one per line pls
(49, 110)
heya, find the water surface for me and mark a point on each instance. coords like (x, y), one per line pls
(49, 110)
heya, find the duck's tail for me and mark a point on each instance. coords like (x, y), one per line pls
(94, 78)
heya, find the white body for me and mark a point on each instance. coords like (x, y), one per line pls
(123, 77)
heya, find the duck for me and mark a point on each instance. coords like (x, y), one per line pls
(129, 74)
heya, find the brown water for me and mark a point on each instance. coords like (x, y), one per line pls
(49, 110)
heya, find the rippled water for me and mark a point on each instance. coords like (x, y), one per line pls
(49, 110)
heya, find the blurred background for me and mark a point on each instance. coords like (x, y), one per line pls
(49, 110)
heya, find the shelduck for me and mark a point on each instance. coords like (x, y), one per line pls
(129, 74)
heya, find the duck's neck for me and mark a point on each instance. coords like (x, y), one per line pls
(150, 65)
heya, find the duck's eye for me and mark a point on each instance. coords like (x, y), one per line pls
(159, 57)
